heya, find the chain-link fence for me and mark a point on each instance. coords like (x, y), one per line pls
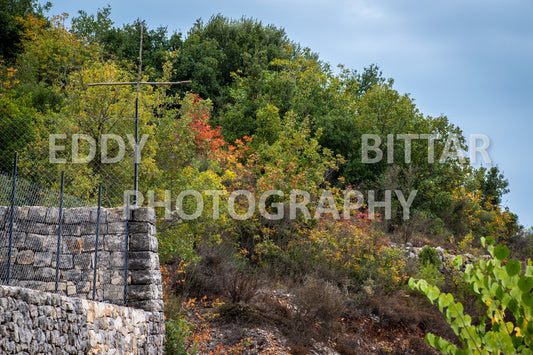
(94, 149)
(52, 241)
(66, 171)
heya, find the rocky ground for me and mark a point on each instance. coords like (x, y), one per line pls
(269, 324)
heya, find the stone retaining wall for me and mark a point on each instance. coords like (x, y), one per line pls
(34, 253)
(36, 322)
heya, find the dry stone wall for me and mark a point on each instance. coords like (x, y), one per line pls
(36, 322)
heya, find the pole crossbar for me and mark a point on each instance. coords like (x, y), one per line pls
(143, 83)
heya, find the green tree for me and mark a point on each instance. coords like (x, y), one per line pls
(11, 28)
(16, 119)
(492, 184)
(214, 50)
(94, 112)
(123, 43)
(50, 53)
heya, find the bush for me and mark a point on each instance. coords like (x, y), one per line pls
(429, 255)
(177, 332)
(240, 287)
(320, 300)
(431, 274)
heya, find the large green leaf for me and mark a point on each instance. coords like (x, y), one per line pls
(513, 267)
(525, 284)
(501, 252)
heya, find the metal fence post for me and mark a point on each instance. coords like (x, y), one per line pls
(96, 242)
(126, 253)
(59, 228)
(11, 218)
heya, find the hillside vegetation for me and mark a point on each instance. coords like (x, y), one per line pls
(318, 255)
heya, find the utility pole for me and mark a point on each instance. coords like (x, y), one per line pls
(138, 83)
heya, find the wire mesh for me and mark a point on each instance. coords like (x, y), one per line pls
(35, 257)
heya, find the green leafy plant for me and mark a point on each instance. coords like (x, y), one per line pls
(431, 274)
(177, 332)
(429, 255)
(505, 289)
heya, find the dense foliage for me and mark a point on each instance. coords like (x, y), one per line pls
(261, 114)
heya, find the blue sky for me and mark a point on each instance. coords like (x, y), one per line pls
(471, 60)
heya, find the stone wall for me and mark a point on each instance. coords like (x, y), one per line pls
(34, 253)
(36, 322)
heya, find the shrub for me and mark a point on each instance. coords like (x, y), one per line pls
(177, 333)
(502, 287)
(320, 300)
(429, 255)
(240, 287)
(431, 274)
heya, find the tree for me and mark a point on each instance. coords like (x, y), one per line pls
(50, 53)
(123, 43)
(214, 50)
(18, 127)
(492, 184)
(11, 33)
(95, 112)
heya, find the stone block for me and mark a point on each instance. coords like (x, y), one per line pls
(116, 228)
(77, 215)
(88, 243)
(145, 277)
(117, 259)
(103, 215)
(71, 230)
(83, 287)
(23, 272)
(117, 277)
(66, 261)
(40, 228)
(71, 290)
(103, 277)
(18, 239)
(52, 215)
(4, 255)
(35, 242)
(114, 292)
(3, 211)
(83, 261)
(144, 292)
(141, 227)
(114, 242)
(43, 259)
(143, 260)
(50, 243)
(22, 212)
(71, 245)
(147, 305)
(103, 259)
(90, 229)
(73, 275)
(45, 274)
(144, 214)
(116, 215)
(37, 214)
(25, 257)
(143, 242)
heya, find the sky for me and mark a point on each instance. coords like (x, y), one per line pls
(470, 60)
